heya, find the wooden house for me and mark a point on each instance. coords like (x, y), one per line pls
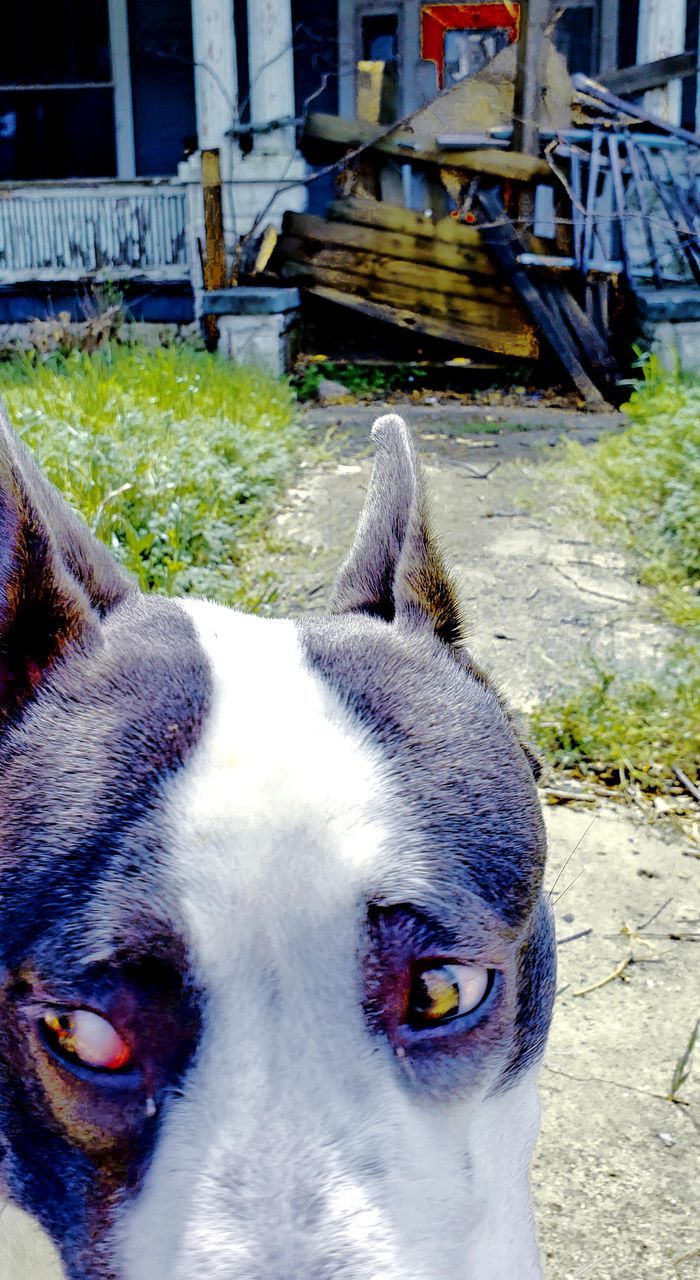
(106, 107)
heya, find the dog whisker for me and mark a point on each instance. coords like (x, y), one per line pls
(570, 885)
(577, 846)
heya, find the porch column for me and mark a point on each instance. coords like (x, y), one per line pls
(271, 72)
(215, 74)
(661, 33)
(121, 75)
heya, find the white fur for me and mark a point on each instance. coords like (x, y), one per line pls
(298, 1150)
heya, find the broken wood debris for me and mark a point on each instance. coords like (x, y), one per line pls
(618, 972)
(668, 194)
(500, 273)
(686, 783)
(591, 89)
(574, 937)
(338, 134)
(569, 333)
(650, 75)
(443, 244)
(435, 277)
(448, 330)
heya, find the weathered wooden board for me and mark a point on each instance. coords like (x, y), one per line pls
(433, 252)
(500, 328)
(393, 217)
(215, 252)
(424, 301)
(214, 258)
(405, 146)
(512, 166)
(524, 345)
(414, 275)
(541, 305)
(650, 75)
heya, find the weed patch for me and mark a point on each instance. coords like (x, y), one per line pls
(643, 486)
(172, 456)
(362, 380)
(622, 728)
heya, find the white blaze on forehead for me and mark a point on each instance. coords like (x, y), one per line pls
(282, 789)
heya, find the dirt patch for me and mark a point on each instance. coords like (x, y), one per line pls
(616, 1176)
(537, 595)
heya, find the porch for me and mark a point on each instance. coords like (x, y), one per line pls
(103, 118)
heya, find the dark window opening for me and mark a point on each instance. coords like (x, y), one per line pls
(55, 42)
(380, 37)
(315, 29)
(627, 33)
(690, 84)
(57, 135)
(240, 22)
(315, 56)
(162, 84)
(575, 37)
(379, 40)
(56, 92)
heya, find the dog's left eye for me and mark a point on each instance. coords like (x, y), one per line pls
(87, 1038)
(446, 991)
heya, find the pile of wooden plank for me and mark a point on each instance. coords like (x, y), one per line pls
(433, 276)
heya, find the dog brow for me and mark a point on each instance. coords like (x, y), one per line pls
(140, 943)
(458, 914)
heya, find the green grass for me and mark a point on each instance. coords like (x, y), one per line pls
(641, 486)
(620, 728)
(172, 456)
(362, 380)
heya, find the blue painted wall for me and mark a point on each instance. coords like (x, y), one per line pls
(162, 303)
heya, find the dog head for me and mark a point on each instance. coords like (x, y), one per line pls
(276, 967)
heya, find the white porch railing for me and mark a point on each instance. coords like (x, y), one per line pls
(66, 231)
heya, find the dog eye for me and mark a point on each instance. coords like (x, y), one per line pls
(87, 1038)
(446, 991)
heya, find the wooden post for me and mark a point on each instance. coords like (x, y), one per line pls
(529, 83)
(529, 76)
(609, 24)
(214, 258)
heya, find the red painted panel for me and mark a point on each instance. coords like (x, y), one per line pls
(437, 19)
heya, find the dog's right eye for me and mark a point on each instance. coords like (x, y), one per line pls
(440, 993)
(85, 1037)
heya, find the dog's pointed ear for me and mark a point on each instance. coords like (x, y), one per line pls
(56, 580)
(395, 569)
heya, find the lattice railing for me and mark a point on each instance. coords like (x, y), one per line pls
(110, 230)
